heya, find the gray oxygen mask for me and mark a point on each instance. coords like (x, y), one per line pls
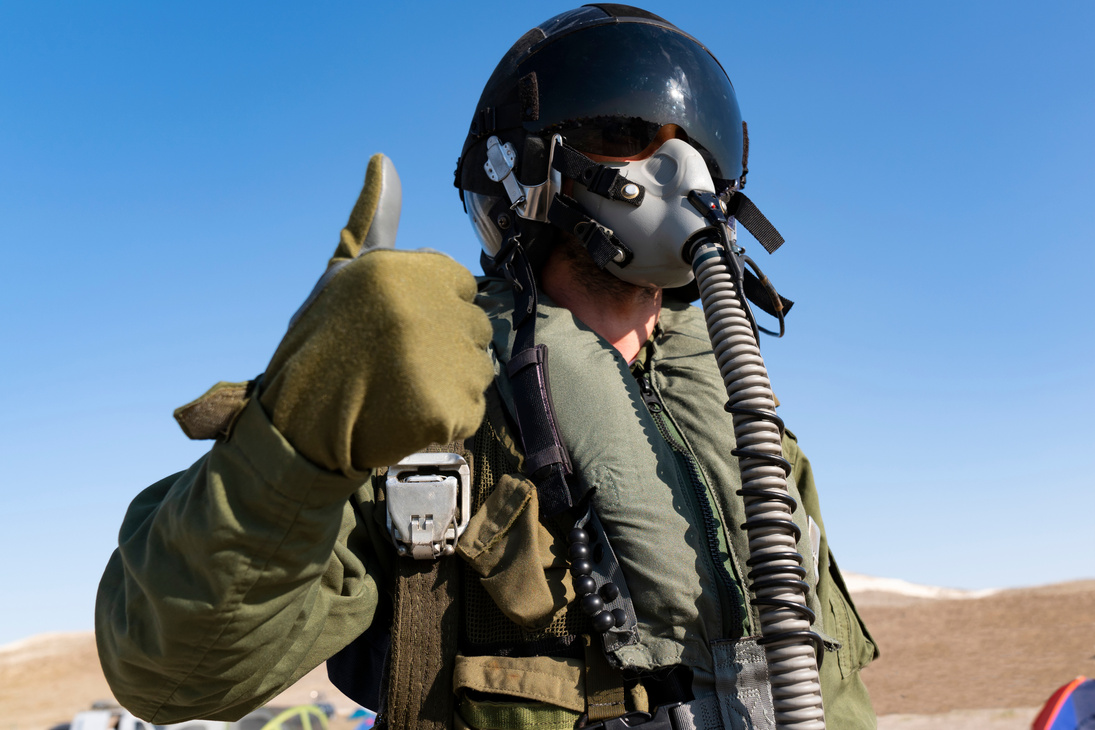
(658, 230)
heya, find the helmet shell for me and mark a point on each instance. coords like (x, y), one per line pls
(606, 77)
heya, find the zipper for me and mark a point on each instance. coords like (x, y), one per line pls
(731, 591)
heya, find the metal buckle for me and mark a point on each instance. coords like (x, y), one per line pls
(429, 504)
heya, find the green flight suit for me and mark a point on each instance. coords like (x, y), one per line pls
(235, 578)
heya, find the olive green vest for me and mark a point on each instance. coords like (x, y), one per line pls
(664, 485)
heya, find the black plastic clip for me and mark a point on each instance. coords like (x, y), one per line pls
(483, 123)
(709, 206)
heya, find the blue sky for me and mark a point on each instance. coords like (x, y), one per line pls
(174, 176)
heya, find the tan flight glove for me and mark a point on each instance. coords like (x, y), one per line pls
(387, 355)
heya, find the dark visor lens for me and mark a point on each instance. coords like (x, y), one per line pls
(610, 88)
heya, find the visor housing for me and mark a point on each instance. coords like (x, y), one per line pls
(608, 89)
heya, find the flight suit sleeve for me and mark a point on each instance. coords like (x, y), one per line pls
(235, 578)
(847, 703)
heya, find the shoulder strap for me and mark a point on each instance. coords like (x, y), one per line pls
(546, 459)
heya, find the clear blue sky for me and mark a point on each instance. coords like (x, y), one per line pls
(173, 177)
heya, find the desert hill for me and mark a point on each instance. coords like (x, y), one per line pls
(950, 659)
(1003, 650)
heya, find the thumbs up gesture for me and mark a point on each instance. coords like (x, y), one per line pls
(388, 353)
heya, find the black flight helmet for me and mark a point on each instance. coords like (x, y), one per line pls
(607, 78)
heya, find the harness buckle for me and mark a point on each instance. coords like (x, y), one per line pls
(429, 504)
(664, 718)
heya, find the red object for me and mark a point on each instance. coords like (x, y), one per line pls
(1051, 711)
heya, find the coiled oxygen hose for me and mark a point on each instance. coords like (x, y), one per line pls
(777, 572)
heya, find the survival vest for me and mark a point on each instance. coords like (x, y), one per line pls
(496, 639)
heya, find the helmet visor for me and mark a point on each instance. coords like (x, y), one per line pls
(609, 89)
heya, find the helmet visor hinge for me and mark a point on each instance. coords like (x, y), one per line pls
(527, 201)
(501, 159)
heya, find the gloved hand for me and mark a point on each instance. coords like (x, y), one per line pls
(387, 355)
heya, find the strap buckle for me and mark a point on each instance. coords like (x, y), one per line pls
(429, 504)
(662, 719)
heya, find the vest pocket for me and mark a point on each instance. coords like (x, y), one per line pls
(497, 693)
(515, 556)
(857, 649)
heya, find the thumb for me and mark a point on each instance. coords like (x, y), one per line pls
(375, 217)
(373, 223)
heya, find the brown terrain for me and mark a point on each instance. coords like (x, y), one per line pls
(984, 663)
(1001, 656)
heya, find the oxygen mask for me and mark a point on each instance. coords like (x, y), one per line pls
(657, 231)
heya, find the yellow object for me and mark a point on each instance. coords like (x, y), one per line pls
(308, 717)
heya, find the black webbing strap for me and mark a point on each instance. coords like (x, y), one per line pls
(754, 221)
(424, 645)
(566, 213)
(599, 179)
(546, 460)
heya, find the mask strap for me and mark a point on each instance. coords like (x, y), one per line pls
(599, 179)
(603, 245)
